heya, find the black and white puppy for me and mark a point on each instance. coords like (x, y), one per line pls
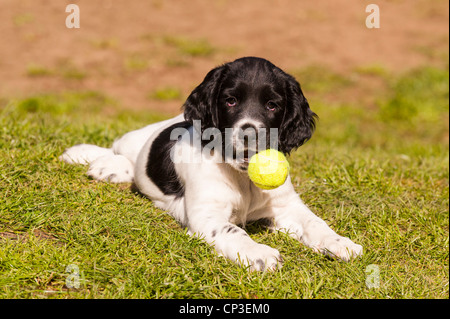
(195, 165)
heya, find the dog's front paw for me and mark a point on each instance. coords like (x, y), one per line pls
(113, 169)
(260, 257)
(340, 247)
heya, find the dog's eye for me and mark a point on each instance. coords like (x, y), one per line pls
(271, 106)
(231, 101)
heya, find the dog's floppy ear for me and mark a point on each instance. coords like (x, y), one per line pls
(202, 102)
(299, 121)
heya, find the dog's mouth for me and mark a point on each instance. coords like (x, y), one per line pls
(243, 166)
(244, 161)
(241, 156)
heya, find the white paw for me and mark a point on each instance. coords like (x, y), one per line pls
(339, 247)
(260, 257)
(84, 154)
(113, 169)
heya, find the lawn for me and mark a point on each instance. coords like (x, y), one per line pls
(377, 172)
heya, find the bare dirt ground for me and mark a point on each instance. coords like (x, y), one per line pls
(129, 49)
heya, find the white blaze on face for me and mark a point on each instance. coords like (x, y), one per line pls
(246, 137)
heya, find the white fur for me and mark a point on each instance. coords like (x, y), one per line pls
(84, 154)
(217, 198)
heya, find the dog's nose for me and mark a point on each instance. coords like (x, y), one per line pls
(248, 135)
(248, 126)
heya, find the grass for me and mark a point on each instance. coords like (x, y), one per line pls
(167, 93)
(190, 47)
(23, 19)
(36, 70)
(105, 43)
(65, 70)
(135, 62)
(376, 177)
(319, 79)
(175, 51)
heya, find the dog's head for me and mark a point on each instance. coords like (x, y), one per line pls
(256, 100)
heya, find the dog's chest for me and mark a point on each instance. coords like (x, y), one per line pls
(248, 200)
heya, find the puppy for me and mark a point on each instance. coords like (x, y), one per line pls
(194, 165)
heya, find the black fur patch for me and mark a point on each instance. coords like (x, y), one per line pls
(261, 264)
(160, 168)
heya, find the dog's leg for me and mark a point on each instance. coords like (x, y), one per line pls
(234, 243)
(104, 165)
(210, 221)
(115, 164)
(84, 154)
(292, 216)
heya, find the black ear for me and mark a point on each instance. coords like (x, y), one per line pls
(299, 121)
(202, 102)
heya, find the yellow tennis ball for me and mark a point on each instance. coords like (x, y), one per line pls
(268, 169)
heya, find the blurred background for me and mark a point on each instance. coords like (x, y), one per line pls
(151, 54)
(376, 169)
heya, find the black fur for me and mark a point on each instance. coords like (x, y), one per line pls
(299, 121)
(160, 168)
(255, 83)
(202, 102)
